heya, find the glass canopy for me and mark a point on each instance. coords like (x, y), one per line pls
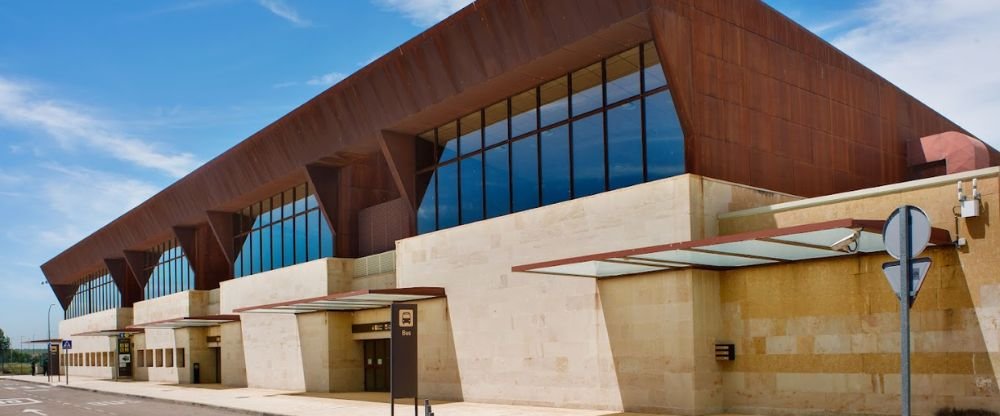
(781, 245)
(189, 322)
(349, 301)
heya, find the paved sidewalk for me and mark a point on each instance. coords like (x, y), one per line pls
(278, 402)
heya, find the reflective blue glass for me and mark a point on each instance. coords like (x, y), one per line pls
(496, 123)
(664, 138)
(623, 75)
(625, 145)
(472, 133)
(588, 92)
(588, 155)
(312, 235)
(288, 242)
(555, 165)
(427, 212)
(326, 240)
(497, 182)
(301, 255)
(555, 105)
(524, 108)
(524, 161)
(652, 72)
(447, 139)
(447, 196)
(472, 189)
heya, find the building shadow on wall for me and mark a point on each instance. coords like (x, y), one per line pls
(639, 330)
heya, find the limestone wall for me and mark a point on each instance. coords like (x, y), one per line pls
(825, 334)
(542, 339)
(93, 356)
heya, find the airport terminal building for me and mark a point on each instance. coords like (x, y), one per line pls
(586, 200)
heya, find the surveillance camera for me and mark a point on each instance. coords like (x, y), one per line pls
(844, 244)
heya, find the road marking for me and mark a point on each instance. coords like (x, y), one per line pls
(113, 403)
(18, 402)
(35, 412)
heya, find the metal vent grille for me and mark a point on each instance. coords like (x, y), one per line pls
(375, 264)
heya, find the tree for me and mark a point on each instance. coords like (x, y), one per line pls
(4, 347)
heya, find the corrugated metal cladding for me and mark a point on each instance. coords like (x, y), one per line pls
(757, 95)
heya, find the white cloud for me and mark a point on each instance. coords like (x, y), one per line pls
(327, 79)
(284, 11)
(943, 52)
(71, 125)
(87, 199)
(424, 12)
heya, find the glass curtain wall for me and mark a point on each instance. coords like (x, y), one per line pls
(606, 126)
(169, 270)
(96, 293)
(285, 229)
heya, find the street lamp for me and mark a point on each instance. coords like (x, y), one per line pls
(49, 340)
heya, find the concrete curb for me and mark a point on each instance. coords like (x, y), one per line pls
(158, 399)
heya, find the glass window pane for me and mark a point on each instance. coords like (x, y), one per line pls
(288, 198)
(254, 241)
(587, 91)
(300, 239)
(555, 106)
(664, 137)
(326, 242)
(588, 155)
(247, 254)
(523, 107)
(288, 241)
(623, 75)
(497, 182)
(525, 173)
(625, 145)
(555, 165)
(472, 189)
(496, 123)
(472, 133)
(312, 224)
(447, 195)
(652, 72)
(300, 199)
(427, 212)
(276, 250)
(265, 216)
(265, 252)
(255, 214)
(276, 208)
(447, 138)
(425, 149)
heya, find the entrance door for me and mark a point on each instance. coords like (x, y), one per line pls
(376, 364)
(218, 364)
(124, 358)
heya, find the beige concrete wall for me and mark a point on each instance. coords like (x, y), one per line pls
(825, 334)
(288, 352)
(99, 321)
(316, 278)
(542, 339)
(662, 328)
(346, 366)
(234, 371)
(173, 306)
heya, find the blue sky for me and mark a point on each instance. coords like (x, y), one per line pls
(102, 104)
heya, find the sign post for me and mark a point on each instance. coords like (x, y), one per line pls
(403, 355)
(905, 234)
(67, 345)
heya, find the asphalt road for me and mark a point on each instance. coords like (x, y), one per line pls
(26, 399)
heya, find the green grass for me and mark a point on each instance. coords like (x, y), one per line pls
(16, 369)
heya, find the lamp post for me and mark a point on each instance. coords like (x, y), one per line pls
(49, 340)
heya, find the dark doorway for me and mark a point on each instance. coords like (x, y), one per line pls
(218, 364)
(376, 364)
